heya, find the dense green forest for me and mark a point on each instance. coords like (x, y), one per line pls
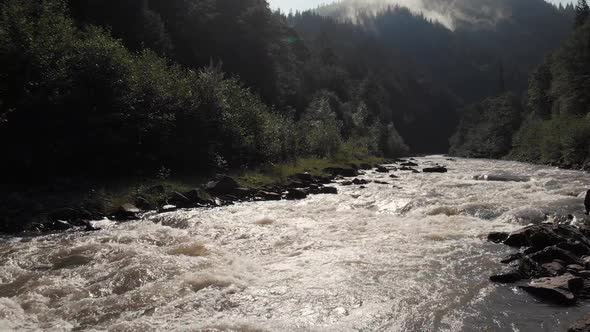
(109, 88)
(551, 124)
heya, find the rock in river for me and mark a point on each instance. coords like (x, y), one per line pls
(556, 289)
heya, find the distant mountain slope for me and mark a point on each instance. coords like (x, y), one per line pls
(458, 42)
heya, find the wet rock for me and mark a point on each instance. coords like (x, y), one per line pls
(542, 238)
(559, 289)
(304, 177)
(587, 202)
(437, 169)
(295, 194)
(497, 237)
(393, 176)
(554, 268)
(323, 179)
(199, 197)
(346, 172)
(507, 278)
(382, 169)
(295, 184)
(225, 185)
(167, 208)
(347, 183)
(74, 216)
(409, 164)
(328, 190)
(359, 182)
(381, 182)
(512, 258)
(574, 247)
(574, 268)
(517, 239)
(144, 204)
(269, 196)
(179, 200)
(126, 212)
(531, 268)
(60, 225)
(568, 232)
(553, 253)
(408, 169)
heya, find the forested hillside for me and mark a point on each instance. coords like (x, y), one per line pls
(552, 125)
(136, 87)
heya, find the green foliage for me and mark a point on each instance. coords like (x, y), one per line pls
(486, 128)
(557, 129)
(77, 101)
(319, 129)
(582, 12)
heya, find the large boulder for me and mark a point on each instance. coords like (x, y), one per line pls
(225, 185)
(537, 236)
(552, 253)
(126, 212)
(559, 289)
(179, 200)
(295, 194)
(199, 197)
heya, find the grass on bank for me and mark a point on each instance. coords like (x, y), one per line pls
(22, 206)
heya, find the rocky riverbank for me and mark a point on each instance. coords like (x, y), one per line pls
(219, 191)
(552, 263)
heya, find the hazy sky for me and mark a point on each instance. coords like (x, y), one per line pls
(286, 5)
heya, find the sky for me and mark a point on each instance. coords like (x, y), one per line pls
(286, 5)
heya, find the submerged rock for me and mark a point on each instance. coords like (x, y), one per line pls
(359, 182)
(382, 169)
(437, 169)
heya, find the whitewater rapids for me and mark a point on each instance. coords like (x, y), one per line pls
(408, 256)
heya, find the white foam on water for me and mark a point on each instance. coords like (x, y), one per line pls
(410, 255)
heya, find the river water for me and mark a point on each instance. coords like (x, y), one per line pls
(408, 256)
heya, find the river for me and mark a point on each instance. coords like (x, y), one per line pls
(408, 256)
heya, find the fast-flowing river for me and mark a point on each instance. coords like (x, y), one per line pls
(408, 256)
